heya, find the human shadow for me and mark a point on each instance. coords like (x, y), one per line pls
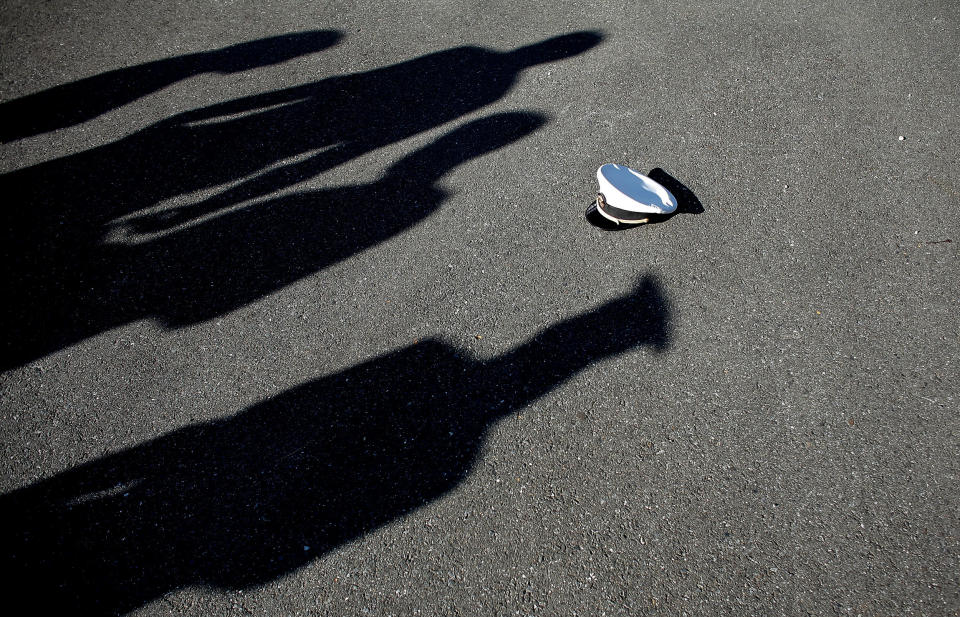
(182, 221)
(85, 99)
(218, 264)
(241, 501)
(687, 203)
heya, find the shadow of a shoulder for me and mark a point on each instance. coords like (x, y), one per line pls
(237, 502)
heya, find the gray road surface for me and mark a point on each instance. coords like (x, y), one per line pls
(315, 325)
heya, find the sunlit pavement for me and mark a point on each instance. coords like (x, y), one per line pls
(304, 317)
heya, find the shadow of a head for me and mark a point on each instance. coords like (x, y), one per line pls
(640, 317)
(272, 50)
(556, 48)
(471, 140)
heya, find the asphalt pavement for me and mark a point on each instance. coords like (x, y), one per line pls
(303, 316)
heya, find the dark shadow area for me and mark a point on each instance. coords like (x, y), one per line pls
(241, 501)
(85, 99)
(181, 221)
(687, 203)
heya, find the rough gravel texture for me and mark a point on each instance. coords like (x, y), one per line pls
(345, 344)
